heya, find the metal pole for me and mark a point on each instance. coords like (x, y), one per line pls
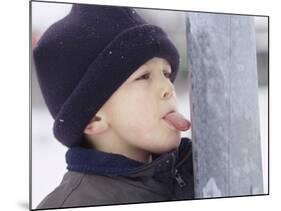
(224, 105)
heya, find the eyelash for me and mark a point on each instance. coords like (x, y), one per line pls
(147, 75)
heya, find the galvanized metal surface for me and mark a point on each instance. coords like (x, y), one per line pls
(224, 105)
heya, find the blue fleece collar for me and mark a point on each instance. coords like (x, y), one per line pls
(93, 161)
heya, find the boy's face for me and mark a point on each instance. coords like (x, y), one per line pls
(135, 111)
(132, 121)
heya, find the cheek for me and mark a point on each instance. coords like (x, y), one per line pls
(133, 111)
(137, 115)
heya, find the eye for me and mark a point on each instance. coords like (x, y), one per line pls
(167, 74)
(144, 77)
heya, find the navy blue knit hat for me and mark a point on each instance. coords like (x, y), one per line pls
(82, 59)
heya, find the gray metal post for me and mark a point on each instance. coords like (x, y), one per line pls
(224, 105)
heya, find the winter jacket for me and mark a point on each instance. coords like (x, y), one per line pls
(97, 178)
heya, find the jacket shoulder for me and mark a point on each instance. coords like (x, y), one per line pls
(59, 195)
(109, 190)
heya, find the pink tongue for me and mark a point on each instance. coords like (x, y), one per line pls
(178, 121)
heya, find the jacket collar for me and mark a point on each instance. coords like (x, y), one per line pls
(93, 161)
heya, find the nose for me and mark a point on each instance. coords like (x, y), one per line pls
(166, 89)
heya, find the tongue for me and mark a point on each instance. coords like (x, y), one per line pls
(178, 121)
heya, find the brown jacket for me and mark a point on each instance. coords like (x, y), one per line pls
(168, 177)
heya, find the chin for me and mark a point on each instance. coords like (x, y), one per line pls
(168, 146)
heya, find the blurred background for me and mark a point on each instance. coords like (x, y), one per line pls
(48, 161)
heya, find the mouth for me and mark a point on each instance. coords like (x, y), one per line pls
(170, 111)
(171, 126)
(176, 121)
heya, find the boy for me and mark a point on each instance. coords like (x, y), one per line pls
(106, 76)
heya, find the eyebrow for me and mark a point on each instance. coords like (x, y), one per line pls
(145, 67)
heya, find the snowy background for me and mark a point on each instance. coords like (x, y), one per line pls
(48, 164)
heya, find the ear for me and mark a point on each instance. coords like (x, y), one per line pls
(96, 126)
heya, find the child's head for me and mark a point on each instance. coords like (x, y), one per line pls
(132, 120)
(108, 63)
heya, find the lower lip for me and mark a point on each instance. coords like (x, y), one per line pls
(169, 125)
